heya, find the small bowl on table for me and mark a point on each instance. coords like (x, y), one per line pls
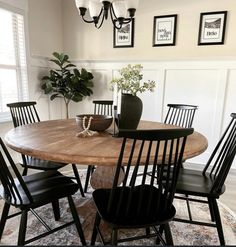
(98, 122)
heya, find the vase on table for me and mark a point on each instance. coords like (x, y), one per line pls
(130, 113)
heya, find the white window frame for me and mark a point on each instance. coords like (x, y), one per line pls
(21, 8)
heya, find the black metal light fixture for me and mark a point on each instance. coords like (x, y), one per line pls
(99, 10)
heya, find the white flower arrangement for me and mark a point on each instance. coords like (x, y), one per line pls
(130, 80)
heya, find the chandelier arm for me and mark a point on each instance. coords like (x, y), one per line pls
(103, 17)
(87, 21)
(127, 20)
(114, 18)
(112, 12)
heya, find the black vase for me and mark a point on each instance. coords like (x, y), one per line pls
(131, 112)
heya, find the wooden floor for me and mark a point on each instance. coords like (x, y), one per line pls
(229, 197)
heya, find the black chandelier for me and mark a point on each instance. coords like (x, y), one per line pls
(99, 10)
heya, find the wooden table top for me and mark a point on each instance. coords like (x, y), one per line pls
(56, 140)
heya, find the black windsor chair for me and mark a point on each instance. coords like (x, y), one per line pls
(101, 107)
(209, 183)
(25, 113)
(29, 192)
(142, 202)
(180, 115)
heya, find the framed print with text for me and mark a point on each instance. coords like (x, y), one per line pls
(124, 37)
(212, 28)
(164, 30)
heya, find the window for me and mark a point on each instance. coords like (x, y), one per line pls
(13, 66)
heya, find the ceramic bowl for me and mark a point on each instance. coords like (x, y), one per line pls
(98, 122)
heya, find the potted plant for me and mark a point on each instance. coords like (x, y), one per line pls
(67, 82)
(130, 83)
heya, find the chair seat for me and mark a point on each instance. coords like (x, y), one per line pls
(192, 182)
(42, 164)
(138, 215)
(44, 187)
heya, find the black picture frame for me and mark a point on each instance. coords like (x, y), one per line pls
(124, 37)
(212, 28)
(164, 30)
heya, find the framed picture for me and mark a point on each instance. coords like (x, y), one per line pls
(124, 37)
(164, 30)
(212, 28)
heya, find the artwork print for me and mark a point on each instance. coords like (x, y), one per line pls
(164, 30)
(124, 37)
(212, 28)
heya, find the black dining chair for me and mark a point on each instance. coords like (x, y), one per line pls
(23, 113)
(180, 114)
(101, 107)
(29, 192)
(142, 202)
(209, 183)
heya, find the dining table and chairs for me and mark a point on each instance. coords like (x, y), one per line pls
(117, 188)
(57, 141)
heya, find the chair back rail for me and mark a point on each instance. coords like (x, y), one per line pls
(23, 113)
(222, 157)
(160, 150)
(103, 107)
(180, 115)
(12, 181)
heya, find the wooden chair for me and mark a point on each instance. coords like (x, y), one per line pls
(29, 192)
(209, 183)
(142, 202)
(25, 113)
(180, 115)
(101, 107)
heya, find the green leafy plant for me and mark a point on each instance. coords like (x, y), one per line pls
(67, 81)
(130, 80)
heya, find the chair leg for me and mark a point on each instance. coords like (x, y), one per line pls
(88, 174)
(22, 229)
(77, 220)
(25, 170)
(218, 222)
(114, 236)
(78, 179)
(56, 210)
(95, 231)
(211, 209)
(4, 218)
(168, 235)
(147, 230)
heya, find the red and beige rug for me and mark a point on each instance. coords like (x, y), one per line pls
(183, 234)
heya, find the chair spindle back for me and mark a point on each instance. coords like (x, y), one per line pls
(23, 113)
(103, 107)
(12, 181)
(180, 115)
(222, 157)
(160, 150)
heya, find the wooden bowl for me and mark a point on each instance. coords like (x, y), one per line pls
(98, 122)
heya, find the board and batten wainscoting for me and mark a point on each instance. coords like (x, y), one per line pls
(210, 84)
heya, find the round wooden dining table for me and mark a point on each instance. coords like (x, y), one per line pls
(57, 140)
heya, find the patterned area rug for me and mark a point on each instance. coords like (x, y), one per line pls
(183, 234)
